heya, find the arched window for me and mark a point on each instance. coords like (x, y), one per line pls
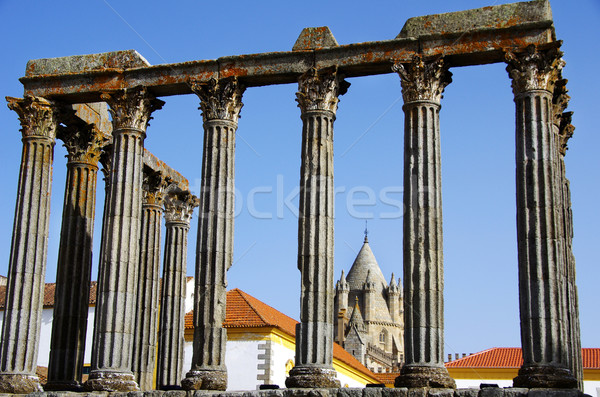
(382, 336)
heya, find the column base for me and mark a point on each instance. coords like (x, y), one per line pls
(312, 377)
(15, 383)
(63, 385)
(421, 376)
(205, 379)
(545, 377)
(110, 381)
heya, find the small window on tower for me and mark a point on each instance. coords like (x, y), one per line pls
(382, 336)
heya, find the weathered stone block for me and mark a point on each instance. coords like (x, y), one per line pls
(349, 392)
(554, 393)
(315, 39)
(417, 392)
(466, 392)
(394, 392)
(496, 17)
(441, 392)
(491, 392)
(372, 392)
(515, 392)
(85, 63)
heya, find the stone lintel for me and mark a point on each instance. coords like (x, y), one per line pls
(97, 113)
(85, 63)
(503, 16)
(517, 26)
(315, 39)
(155, 164)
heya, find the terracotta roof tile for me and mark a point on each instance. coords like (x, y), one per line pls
(512, 357)
(245, 311)
(387, 378)
(49, 290)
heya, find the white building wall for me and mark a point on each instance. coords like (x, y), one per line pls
(281, 355)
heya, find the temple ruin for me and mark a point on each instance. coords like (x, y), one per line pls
(60, 95)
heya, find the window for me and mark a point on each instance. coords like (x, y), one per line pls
(382, 336)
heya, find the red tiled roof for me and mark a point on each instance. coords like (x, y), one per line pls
(49, 290)
(512, 357)
(245, 311)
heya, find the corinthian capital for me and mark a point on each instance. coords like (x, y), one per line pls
(38, 116)
(84, 142)
(131, 108)
(320, 91)
(179, 207)
(423, 81)
(534, 69)
(220, 99)
(154, 186)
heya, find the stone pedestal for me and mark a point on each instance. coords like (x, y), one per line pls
(146, 315)
(28, 252)
(422, 86)
(220, 102)
(541, 247)
(318, 100)
(118, 270)
(178, 214)
(84, 144)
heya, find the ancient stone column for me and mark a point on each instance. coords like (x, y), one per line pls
(563, 130)
(27, 263)
(178, 214)
(317, 98)
(146, 309)
(541, 247)
(220, 102)
(84, 145)
(118, 269)
(422, 86)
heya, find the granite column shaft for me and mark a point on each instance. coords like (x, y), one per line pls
(422, 86)
(220, 102)
(178, 214)
(71, 301)
(29, 246)
(318, 100)
(541, 248)
(563, 131)
(146, 318)
(118, 270)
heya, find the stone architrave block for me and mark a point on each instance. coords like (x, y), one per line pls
(349, 392)
(472, 392)
(491, 392)
(371, 392)
(515, 392)
(554, 393)
(394, 392)
(441, 393)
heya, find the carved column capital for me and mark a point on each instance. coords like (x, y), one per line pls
(179, 207)
(565, 131)
(219, 99)
(423, 81)
(131, 108)
(154, 187)
(534, 69)
(320, 90)
(83, 141)
(38, 116)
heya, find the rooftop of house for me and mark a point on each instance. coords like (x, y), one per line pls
(245, 311)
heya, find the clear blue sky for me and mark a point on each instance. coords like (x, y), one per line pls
(477, 123)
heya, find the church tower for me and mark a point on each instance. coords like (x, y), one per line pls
(373, 330)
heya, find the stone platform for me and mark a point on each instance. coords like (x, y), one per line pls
(341, 392)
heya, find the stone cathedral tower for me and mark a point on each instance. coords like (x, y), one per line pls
(369, 322)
